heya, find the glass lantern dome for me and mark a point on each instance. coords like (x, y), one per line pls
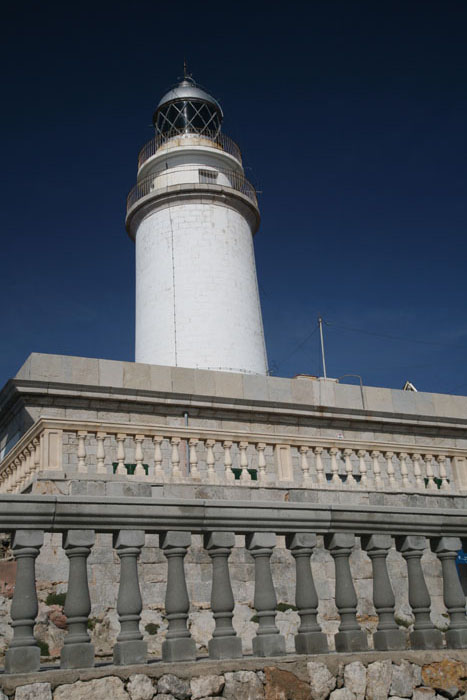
(187, 109)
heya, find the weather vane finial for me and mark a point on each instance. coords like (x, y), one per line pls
(186, 74)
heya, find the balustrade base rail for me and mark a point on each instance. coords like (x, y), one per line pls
(379, 528)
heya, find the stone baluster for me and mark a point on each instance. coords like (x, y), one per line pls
(139, 456)
(361, 454)
(404, 471)
(100, 453)
(23, 654)
(446, 549)
(37, 454)
(388, 636)
(310, 639)
(245, 476)
(268, 641)
(158, 470)
(224, 643)
(390, 469)
(121, 468)
(335, 467)
(194, 472)
(262, 478)
(424, 635)
(417, 472)
(21, 476)
(350, 637)
(441, 459)
(429, 472)
(175, 460)
(9, 479)
(15, 479)
(130, 647)
(178, 645)
(77, 651)
(211, 462)
(29, 463)
(229, 476)
(320, 475)
(82, 451)
(350, 480)
(377, 469)
(305, 467)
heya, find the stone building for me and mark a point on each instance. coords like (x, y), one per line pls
(323, 520)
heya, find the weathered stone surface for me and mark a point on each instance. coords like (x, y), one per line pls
(283, 685)
(355, 679)
(57, 616)
(171, 685)
(140, 687)
(243, 685)
(423, 694)
(342, 694)
(98, 689)
(33, 691)
(403, 681)
(446, 675)
(322, 682)
(164, 696)
(205, 686)
(378, 680)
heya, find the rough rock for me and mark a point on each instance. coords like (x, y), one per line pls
(140, 687)
(378, 680)
(283, 685)
(34, 691)
(403, 680)
(243, 685)
(171, 685)
(423, 694)
(322, 682)
(205, 686)
(164, 696)
(342, 694)
(355, 679)
(446, 675)
(98, 689)
(58, 617)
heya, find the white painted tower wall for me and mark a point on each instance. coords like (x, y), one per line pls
(197, 302)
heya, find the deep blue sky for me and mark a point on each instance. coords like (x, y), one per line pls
(352, 119)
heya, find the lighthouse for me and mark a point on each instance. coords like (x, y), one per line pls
(192, 215)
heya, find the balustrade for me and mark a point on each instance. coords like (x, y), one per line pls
(189, 456)
(130, 647)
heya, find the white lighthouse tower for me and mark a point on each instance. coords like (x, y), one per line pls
(193, 216)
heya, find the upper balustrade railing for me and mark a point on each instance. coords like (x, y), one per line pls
(213, 139)
(163, 454)
(165, 180)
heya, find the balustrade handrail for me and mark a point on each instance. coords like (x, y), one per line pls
(218, 140)
(146, 186)
(58, 513)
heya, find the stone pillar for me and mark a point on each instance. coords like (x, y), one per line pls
(224, 643)
(424, 635)
(388, 635)
(178, 645)
(77, 651)
(268, 641)
(130, 647)
(310, 639)
(350, 637)
(446, 549)
(23, 654)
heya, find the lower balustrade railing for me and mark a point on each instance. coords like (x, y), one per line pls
(164, 454)
(28, 517)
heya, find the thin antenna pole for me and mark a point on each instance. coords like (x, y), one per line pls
(320, 322)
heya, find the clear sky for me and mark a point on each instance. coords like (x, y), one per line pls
(351, 116)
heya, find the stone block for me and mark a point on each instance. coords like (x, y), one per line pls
(279, 389)
(110, 373)
(140, 687)
(342, 694)
(228, 385)
(260, 540)
(371, 542)
(390, 640)
(269, 645)
(355, 679)
(339, 540)
(403, 680)
(178, 650)
(301, 540)
(225, 648)
(79, 655)
(160, 378)
(27, 538)
(311, 643)
(242, 685)
(322, 681)
(350, 641)
(410, 543)
(205, 382)
(133, 651)
(255, 387)
(22, 659)
(445, 544)
(97, 689)
(34, 691)
(129, 538)
(170, 684)
(183, 380)
(426, 639)
(127, 489)
(284, 685)
(378, 680)
(205, 686)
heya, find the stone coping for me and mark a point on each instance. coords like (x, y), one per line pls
(295, 663)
